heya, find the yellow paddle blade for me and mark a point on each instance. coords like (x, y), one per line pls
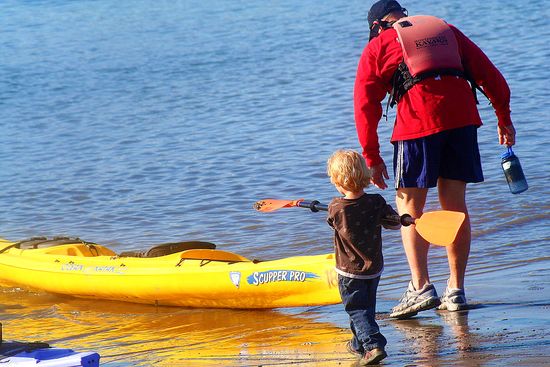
(439, 227)
(269, 205)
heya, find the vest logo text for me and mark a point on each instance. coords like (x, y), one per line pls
(431, 41)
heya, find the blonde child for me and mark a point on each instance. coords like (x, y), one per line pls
(357, 219)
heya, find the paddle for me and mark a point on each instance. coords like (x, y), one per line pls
(438, 227)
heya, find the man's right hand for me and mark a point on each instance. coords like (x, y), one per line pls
(379, 172)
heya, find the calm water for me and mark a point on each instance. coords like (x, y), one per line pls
(136, 123)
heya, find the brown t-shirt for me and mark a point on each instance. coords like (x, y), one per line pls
(358, 234)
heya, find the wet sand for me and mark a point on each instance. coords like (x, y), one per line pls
(509, 324)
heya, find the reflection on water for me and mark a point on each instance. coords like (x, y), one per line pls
(464, 341)
(420, 341)
(440, 341)
(128, 334)
(137, 335)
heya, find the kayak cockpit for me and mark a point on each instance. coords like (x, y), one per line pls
(169, 248)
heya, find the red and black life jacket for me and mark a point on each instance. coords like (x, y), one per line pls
(430, 49)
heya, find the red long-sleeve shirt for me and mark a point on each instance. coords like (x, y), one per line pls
(430, 106)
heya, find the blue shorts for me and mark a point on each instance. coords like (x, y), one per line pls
(451, 154)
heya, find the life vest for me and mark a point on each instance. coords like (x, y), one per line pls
(430, 49)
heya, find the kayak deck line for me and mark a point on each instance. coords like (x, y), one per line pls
(188, 274)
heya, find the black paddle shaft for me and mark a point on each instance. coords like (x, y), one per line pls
(315, 206)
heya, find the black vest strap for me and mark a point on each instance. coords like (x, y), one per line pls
(402, 81)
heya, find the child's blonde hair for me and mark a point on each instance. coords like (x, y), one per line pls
(348, 169)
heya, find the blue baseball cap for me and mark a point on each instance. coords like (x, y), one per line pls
(378, 11)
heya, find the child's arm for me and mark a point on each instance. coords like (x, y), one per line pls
(330, 216)
(392, 218)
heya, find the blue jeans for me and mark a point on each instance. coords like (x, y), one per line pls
(359, 299)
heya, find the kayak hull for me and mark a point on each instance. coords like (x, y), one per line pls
(192, 278)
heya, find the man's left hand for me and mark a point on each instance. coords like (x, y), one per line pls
(506, 135)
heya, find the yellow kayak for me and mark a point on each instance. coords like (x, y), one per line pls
(189, 274)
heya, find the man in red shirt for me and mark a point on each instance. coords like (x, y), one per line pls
(435, 131)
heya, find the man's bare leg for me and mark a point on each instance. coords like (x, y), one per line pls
(420, 294)
(452, 196)
(411, 201)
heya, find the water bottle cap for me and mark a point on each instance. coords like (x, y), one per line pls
(507, 154)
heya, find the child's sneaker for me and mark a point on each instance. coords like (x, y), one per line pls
(453, 299)
(373, 357)
(352, 350)
(414, 301)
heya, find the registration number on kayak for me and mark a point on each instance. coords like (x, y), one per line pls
(90, 269)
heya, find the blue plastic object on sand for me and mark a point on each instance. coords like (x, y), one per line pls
(23, 354)
(40, 354)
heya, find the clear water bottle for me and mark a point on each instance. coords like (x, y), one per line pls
(513, 172)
